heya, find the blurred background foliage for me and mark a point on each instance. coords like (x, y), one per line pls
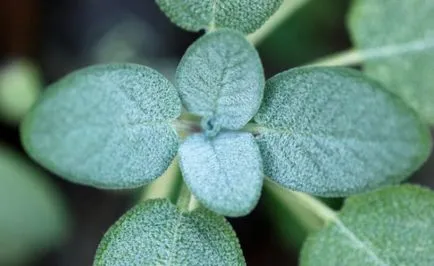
(47, 221)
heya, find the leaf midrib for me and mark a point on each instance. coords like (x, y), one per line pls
(366, 247)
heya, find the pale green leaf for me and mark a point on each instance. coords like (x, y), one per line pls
(106, 126)
(20, 85)
(221, 79)
(397, 39)
(33, 218)
(155, 232)
(392, 226)
(333, 132)
(194, 15)
(224, 173)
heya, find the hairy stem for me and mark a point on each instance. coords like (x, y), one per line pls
(285, 11)
(313, 213)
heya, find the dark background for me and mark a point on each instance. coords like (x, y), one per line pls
(62, 35)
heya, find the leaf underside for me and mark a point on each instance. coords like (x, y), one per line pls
(106, 126)
(333, 132)
(392, 226)
(157, 233)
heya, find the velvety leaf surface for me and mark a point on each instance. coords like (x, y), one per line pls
(194, 15)
(221, 79)
(157, 233)
(392, 226)
(106, 126)
(33, 218)
(224, 173)
(333, 132)
(397, 39)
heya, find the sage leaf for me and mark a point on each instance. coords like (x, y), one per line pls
(392, 226)
(194, 15)
(400, 52)
(33, 216)
(106, 126)
(224, 173)
(221, 79)
(155, 232)
(333, 132)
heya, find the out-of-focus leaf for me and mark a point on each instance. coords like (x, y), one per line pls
(20, 86)
(33, 217)
(397, 40)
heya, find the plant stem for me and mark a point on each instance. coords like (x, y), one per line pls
(345, 58)
(166, 186)
(285, 11)
(311, 206)
(186, 201)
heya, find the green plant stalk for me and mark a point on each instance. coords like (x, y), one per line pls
(312, 213)
(345, 58)
(166, 186)
(288, 8)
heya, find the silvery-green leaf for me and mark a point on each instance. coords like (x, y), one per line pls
(106, 126)
(242, 15)
(396, 38)
(334, 132)
(221, 79)
(155, 232)
(224, 173)
(392, 226)
(33, 217)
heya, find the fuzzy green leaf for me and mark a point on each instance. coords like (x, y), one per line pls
(224, 173)
(333, 132)
(194, 15)
(392, 226)
(397, 40)
(106, 126)
(157, 233)
(33, 217)
(221, 79)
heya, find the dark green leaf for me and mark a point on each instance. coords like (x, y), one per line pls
(221, 79)
(157, 233)
(392, 226)
(224, 173)
(396, 38)
(107, 126)
(194, 15)
(333, 132)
